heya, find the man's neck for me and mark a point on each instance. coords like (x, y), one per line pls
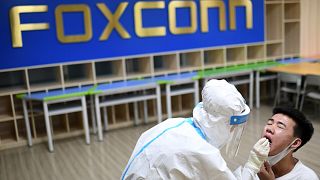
(284, 166)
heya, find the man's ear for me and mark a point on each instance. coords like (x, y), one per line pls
(297, 142)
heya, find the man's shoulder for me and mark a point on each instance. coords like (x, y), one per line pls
(308, 172)
(301, 172)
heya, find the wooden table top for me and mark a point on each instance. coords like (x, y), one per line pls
(303, 68)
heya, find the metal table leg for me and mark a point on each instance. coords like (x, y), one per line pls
(26, 119)
(145, 111)
(85, 119)
(196, 92)
(100, 137)
(251, 90)
(94, 125)
(159, 111)
(258, 89)
(168, 98)
(135, 112)
(48, 126)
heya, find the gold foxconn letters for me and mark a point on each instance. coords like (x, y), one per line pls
(232, 8)
(173, 5)
(17, 27)
(147, 32)
(86, 18)
(114, 19)
(204, 6)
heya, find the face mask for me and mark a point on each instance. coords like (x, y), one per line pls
(276, 158)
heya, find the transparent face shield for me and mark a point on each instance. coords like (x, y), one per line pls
(237, 123)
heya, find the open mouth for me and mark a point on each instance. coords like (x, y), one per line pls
(270, 141)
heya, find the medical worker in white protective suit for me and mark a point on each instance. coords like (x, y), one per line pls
(188, 148)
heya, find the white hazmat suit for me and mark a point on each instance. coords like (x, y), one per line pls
(188, 148)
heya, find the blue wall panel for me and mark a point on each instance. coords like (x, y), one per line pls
(42, 47)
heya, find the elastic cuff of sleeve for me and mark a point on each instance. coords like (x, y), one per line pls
(252, 167)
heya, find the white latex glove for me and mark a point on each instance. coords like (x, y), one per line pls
(258, 154)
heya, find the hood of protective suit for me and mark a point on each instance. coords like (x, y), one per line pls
(220, 101)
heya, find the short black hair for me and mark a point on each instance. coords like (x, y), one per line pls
(303, 128)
